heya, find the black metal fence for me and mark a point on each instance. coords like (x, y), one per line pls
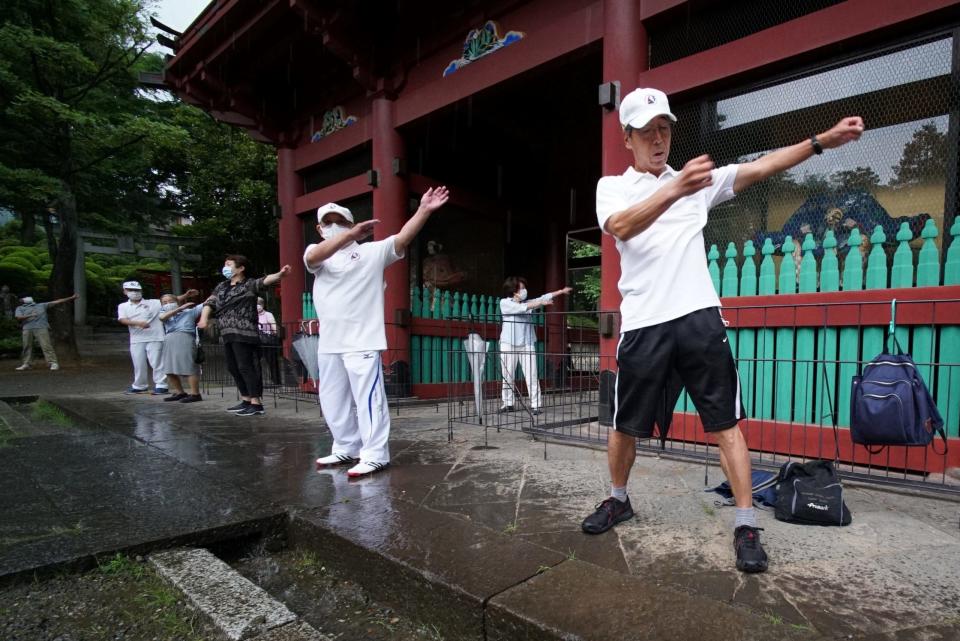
(576, 391)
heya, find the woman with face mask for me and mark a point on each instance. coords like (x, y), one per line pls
(142, 317)
(180, 333)
(234, 304)
(518, 340)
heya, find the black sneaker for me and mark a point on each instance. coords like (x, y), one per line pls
(239, 406)
(609, 512)
(191, 398)
(175, 397)
(251, 410)
(505, 409)
(750, 554)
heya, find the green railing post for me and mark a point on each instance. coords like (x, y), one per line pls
(765, 337)
(928, 275)
(873, 337)
(803, 382)
(784, 344)
(713, 256)
(827, 337)
(901, 275)
(747, 338)
(948, 384)
(849, 336)
(748, 275)
(728, 286)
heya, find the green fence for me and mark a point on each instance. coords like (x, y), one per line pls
(436, 350)
(782, 369)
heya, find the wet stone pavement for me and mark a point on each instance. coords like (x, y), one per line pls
(479, 539)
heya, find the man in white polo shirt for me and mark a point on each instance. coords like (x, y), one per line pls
(142, 317)
(348, 295)
(672, 333)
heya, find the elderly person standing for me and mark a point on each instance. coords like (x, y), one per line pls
(671, 321)
(269, 340)
(234, 304)
(180, 327)
(33, 319)
(518, 340)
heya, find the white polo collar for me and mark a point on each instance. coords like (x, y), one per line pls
(635, 176)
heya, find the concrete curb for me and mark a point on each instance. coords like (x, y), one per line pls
(234, 605)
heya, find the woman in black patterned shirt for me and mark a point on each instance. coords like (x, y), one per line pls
(234, 304)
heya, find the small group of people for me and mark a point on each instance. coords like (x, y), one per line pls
(163, 335)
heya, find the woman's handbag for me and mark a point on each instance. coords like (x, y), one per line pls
(198, 355)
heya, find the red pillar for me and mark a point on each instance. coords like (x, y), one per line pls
(624, 58)
(289, 187)
(390, 207)
(556, 277)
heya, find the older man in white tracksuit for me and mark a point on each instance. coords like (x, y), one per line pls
(348, 292)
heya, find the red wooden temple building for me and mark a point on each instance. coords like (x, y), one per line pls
(512, 104)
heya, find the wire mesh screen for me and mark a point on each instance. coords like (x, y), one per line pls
(703, 26)
(903, 169)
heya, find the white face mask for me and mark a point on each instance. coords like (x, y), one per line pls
(168, 306)
(522, 294)
(331, 231)
(27, 300)
(135, 296)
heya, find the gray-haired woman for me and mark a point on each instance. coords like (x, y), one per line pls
(180, 330)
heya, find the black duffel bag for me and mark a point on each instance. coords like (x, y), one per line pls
(810, 494)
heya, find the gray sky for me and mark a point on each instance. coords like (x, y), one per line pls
(178, 14)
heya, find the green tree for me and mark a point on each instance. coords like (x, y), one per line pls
(863, 178)
(226, 182)
(923, 159)
(79, 143)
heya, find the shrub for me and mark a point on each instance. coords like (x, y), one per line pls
(17, 259)
(20, 279)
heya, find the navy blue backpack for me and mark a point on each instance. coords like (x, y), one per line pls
(891, 405)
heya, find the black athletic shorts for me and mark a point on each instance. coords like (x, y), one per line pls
(657, 362)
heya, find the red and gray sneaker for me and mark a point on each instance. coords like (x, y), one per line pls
(750, 554)
(609, 512)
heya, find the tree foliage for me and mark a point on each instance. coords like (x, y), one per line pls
(77, 139)
(923, 158)
(226, 182)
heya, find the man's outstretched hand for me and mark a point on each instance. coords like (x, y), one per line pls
(435, 198)
(847, 130)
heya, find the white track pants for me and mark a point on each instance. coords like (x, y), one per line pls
(143, 353)
(527, 357)
(354, 404)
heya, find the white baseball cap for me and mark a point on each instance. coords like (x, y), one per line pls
(132, 284)
(333, 208)
(640, 106)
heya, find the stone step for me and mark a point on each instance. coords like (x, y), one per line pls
(238, 608)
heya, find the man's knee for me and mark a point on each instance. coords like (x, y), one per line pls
(728, 437)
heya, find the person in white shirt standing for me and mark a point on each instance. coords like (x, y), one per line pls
(518, 340)
(142, 318)
(672, 332)
(348, 289)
